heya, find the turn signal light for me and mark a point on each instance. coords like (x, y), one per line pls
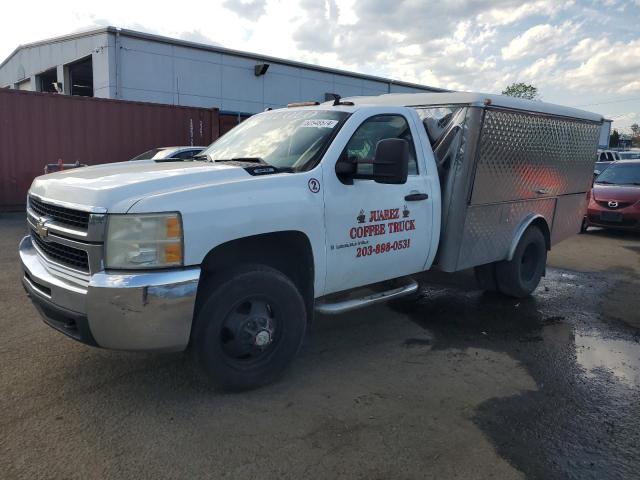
(173, 253)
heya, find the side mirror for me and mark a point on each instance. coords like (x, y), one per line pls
(391, 163)
(346, 169)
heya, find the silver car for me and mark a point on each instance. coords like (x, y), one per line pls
(169, 153)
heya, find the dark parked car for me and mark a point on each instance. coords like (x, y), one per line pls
(615, 197)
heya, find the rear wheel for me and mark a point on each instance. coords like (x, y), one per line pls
(521, 275)
(249, 328)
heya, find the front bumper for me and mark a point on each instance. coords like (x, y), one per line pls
(628, 218)
(116, 310)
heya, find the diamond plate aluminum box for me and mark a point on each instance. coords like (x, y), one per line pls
(570, 210)
(509, 166)
(489, 230)
(523, 156)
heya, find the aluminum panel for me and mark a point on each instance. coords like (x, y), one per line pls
(489, 229)
(239, 84)
(570, 210)
(454, 131)
(523, 156)
(280, 89)
(134, 68)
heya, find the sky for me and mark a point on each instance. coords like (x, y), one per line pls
(580, 53)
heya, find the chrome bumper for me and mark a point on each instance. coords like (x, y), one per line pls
(117, 310)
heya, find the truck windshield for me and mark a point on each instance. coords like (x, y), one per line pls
(621, 174)
(287, 139)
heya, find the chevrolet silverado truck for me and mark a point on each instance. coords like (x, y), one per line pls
(311, 208)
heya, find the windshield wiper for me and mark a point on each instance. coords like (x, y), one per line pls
(242, 159)
(604, 182)
(257, 160)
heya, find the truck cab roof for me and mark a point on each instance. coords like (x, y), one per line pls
(471, 99)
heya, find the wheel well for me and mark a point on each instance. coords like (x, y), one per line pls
(537, 221)
(288, 251)
(541, 223)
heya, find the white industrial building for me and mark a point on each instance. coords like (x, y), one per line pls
(111, 62)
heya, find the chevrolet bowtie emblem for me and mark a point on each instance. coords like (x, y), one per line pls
(41, 229)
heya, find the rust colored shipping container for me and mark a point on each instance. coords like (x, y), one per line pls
(41, 128)
(228, 121)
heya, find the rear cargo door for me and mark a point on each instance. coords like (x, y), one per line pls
(375, 231)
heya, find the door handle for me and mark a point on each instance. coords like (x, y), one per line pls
(414, 197)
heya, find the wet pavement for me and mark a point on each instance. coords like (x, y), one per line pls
(583, 420)
(461, 384)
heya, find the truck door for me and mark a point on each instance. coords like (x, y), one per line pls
(375, 231)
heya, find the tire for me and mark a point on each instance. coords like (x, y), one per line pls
(521, 275)
(584, 225)
(486, 277)
(249, 328)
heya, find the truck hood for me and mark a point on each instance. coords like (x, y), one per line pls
(117, 186)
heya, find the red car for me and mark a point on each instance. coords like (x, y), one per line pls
(615, 198)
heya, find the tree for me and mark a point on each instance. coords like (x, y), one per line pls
(614, 139)
(521, 90)
(635, 135)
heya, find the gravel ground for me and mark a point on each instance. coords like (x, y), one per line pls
(461, 384)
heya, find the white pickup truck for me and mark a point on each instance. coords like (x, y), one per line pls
(315, 207)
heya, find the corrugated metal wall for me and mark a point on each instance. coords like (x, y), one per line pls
(41, 128)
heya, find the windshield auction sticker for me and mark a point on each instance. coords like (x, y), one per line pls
(319, 123)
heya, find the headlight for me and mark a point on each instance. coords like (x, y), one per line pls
(152, 240)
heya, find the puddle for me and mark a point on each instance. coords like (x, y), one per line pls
(568, 276)
(619, 357)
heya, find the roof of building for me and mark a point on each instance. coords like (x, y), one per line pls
(216, 49)
(475, 99)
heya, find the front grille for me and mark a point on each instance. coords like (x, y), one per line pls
(66, 216)
(69, 256)
(605, 204)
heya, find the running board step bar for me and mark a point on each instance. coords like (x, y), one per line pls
(408, 287)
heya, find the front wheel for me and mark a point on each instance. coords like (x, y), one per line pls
(249, 328)
(521, 275)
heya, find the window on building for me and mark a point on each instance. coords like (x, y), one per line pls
(81, 78)
(46, 81)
